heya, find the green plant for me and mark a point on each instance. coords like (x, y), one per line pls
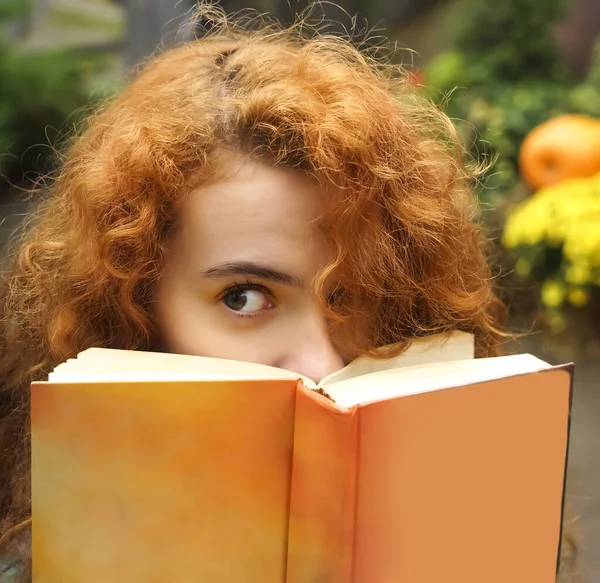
(511, 40)
(13, 9)
(38, 93)
(503, 77)
(585, 97)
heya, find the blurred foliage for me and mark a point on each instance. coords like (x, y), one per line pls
(585, 97)
(38, 93)
(512, 39)
(504, 76)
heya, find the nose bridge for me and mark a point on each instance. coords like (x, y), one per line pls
(312, 353)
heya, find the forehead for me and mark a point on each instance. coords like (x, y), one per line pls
(255, 213)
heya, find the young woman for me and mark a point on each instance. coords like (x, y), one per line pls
(262, 196)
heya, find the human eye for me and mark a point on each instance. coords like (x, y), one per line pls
(247, 300)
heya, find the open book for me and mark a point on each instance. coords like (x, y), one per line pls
(431, 466)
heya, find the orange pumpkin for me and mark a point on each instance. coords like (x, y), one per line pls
(564, 147)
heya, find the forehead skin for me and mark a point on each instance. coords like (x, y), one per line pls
(257, 214)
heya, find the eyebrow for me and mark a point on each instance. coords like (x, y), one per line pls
(230, 268)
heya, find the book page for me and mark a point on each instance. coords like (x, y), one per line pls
(427, 350)
(103, 364)
(425, 378)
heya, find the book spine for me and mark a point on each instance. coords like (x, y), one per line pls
(323, 491)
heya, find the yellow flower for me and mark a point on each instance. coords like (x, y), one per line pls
(557, 323)
(551, 213)
(578, 297)
(578, 273)
(582, 242)
(526, 227)
(522, 267)
(565, 216)
(553, 294)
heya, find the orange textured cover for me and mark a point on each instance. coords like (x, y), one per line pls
(324, 474)
(265, 481)
(156, 482)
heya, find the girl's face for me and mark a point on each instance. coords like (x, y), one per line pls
(240, 265)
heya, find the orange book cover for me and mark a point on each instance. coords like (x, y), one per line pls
(146, 482)
(266, 480)
(463, 485)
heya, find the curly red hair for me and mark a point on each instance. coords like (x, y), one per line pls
(400, 210)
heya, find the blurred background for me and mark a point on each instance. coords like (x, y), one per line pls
(521, 79)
